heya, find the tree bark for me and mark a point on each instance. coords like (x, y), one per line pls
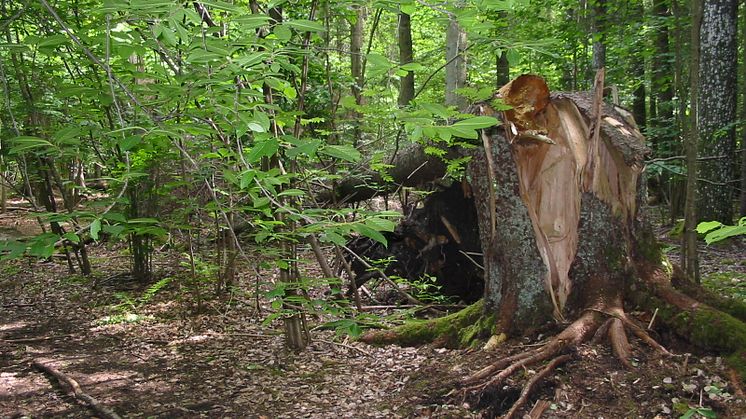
(598, 29)
(456, 64)
(716, 110)
(503, 68)
(356, 54)
(742, 206)
(689, 255)
(406, 90)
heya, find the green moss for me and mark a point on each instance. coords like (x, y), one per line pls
(460, 329)
(706, 328)
(737, 361)
(732, 284)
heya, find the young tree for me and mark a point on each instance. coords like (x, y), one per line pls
(455, 63)
(406, 90)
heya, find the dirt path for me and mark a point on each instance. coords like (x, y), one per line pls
(216, 365)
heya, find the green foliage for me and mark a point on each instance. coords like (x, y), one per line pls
(716, 231)
(693, 412)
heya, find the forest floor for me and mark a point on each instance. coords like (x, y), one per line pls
(158, 357)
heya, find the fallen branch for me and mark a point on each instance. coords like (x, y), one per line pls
(74, 389)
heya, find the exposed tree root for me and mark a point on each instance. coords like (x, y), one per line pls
(593, 325)
(531, 384)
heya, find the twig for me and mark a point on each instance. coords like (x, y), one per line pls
(472, 260)
(73, 387)
(384, 276)
(652, 319)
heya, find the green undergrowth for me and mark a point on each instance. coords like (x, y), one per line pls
(465, 328)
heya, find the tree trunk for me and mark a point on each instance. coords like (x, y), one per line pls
(662, 74)
(716, 110)
(455, 64)
(598, 29)
(356, 54)
(406, 90)
(502, 66)
(742, 206)
(689, 254)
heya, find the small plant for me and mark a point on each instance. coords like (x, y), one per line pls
(126, 310)
(704, 412)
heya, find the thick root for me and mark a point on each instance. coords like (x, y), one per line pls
(596, 324)
(698, 323)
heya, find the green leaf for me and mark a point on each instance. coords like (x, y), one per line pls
(26, 143)
(724, 233)
(252, 59)
(332, 237)
(95, 228)
(514, 57)
(252, 21)
(247, 177)
(291, 192)
(221, 5)
(477, 122)
(307, 147)
(129, 142)
(370, 233)
(342, 152)
(41, 249)
(706, 226)
(14, 249)
(264, 148)
(305, 25)
(72, 237)
(380, 224)
(412, 67)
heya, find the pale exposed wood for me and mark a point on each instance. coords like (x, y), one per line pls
(539, 408)
(592, 148)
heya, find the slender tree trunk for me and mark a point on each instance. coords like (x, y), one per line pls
(662, 72)
(689, 257)
(637, 67)
(716, 111)
(598, 29)
(456, 64)
(742, 209)
(356, 54)
(503, 68)
(406, 90)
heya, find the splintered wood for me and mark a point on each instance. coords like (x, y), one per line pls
(571, 144)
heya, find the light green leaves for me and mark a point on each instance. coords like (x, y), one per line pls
(265, 148)
(24, 144)
(342, 152)
(468, 127)
(716, 231)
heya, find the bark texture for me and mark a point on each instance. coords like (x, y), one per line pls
(456, 64)
(406, 90)
(716, 110)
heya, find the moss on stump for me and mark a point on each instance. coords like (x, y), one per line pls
(465, 328)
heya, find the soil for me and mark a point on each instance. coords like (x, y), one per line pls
(162, 357)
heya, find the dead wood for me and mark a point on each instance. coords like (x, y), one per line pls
(72, 387)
